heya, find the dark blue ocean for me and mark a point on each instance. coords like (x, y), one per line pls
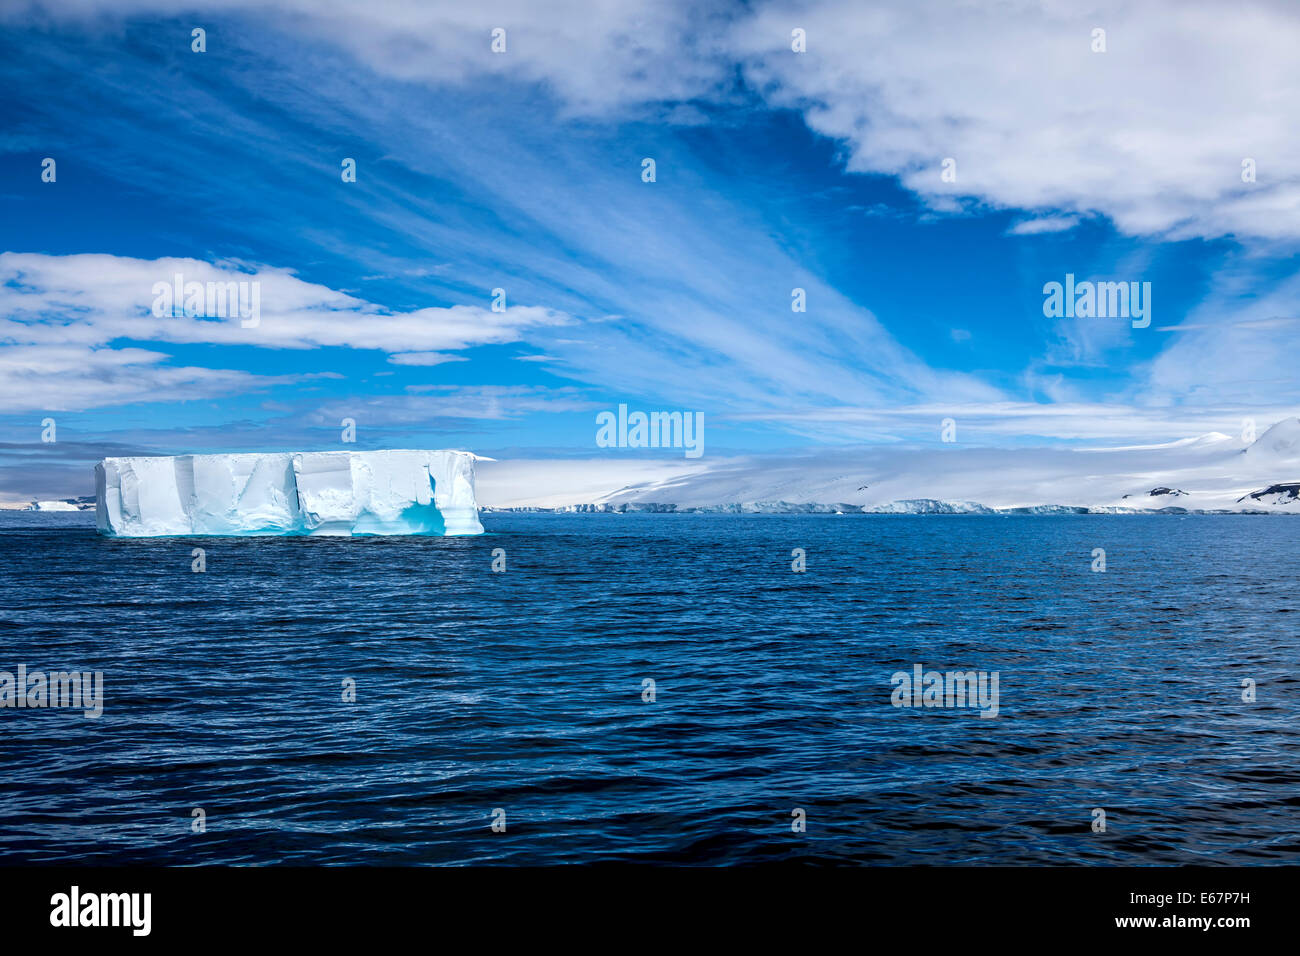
(522, 691)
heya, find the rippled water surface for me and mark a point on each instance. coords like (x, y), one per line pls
(523, 691)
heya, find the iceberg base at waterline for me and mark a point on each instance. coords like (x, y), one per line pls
(288, 493)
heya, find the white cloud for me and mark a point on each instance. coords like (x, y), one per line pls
(94, 299)
(62, 315)
(424, 358)
(1036, 121)
(1043, 224)
(428, 403)
(597, 55)
(1151, 132)
(53, 378)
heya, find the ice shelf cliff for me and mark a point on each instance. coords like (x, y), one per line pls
(288, 493)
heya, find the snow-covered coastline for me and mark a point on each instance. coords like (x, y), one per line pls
(1208, 474)
(913, 506)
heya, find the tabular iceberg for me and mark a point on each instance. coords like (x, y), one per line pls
(288, 493)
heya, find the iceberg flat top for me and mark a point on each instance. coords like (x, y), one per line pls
(403, 491)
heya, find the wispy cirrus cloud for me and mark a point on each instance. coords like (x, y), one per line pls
(1030, 423)
(683, 290)
(430, 404)
(1231, 350)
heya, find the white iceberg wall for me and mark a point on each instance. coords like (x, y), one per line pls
(454, 493)
(395, 489)
(241, 494)
(108, 497)
(325, 491)
(143, 496)
(316, 493)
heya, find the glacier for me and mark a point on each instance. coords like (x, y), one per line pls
(338, 493)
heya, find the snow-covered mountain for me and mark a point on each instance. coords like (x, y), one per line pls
(1279, 444)
(1213, 472)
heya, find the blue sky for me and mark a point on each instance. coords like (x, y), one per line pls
(522, 171)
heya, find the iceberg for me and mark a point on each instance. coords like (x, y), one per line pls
(288, 493)
(59, 505)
